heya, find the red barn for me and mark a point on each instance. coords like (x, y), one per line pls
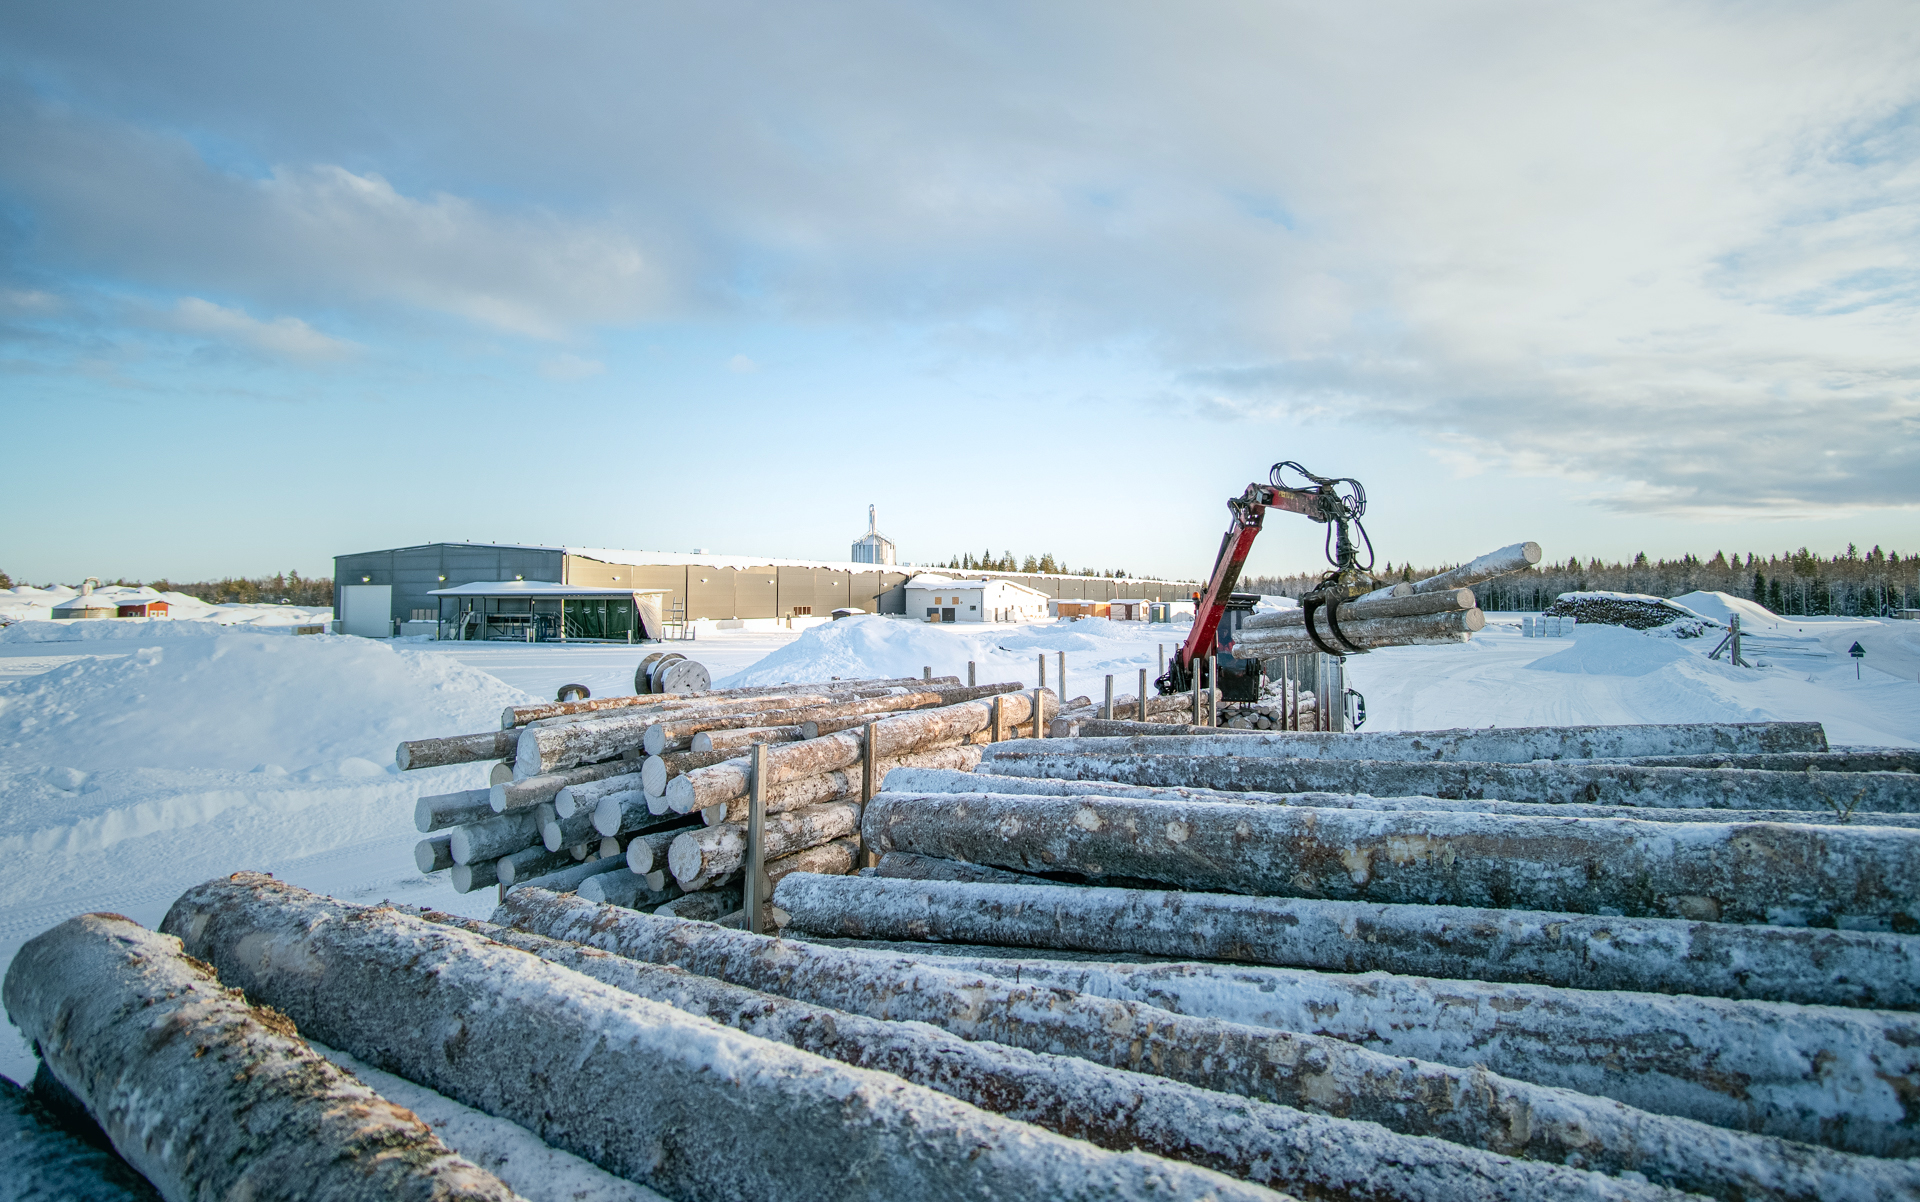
(141, 607)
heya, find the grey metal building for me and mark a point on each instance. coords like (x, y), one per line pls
(375, 589)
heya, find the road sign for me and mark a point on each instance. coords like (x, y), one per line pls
(1858, 653)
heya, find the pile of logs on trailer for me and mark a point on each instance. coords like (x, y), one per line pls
(1612, 963)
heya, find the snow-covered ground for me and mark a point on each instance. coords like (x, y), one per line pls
(138, 758)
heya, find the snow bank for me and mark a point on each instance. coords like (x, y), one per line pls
(1722, 606)
(26, 604)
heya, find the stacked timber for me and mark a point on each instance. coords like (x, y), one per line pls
(1450, 616)
(581, 791)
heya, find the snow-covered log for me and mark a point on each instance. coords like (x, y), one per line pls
(743, 739)
(815, 727)
(911, 866)
(1255, 625)
(683, 732)
(499, 835)
(1276, 1146)
(708, 905)
(534, 790)
(1670, 1055)
(1839, 793)
(451, 809)
(836, 857)
(587, 794)
(557, 832)
(434, 852)
(842, 783)
(698, 1111)
(1715, 871)
(569, 878)
(1510, 745)
(547, 749)
(1093, 727)
(1653, 955)
(657, 770)
(1423, 630)
(41, 1158)
(1470, 1107)
(634, 891)
(530, 862)
(940, 780)
(1507, 560)
(205, 1095)
(710, 856)
(648, 850)
(1840, 759)
(456, 749)
(465, 878)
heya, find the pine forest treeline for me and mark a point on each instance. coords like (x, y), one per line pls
(1798, 582)
(1007, 561)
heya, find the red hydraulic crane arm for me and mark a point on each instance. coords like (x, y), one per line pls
(1319, 503)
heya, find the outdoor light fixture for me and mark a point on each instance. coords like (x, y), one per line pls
(366, 579)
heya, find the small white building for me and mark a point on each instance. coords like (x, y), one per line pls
(943, 599)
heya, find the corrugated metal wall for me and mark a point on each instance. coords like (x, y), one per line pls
(414, 572)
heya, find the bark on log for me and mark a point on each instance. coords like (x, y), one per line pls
(709, 905)
(435, 853)
(1840, 794)
(557, 832)
(1426, 630)
(465, 878)
(568, 879)
(843, 783)
(713, 856)
(451, 809)
(205, 1095)
(649, 850)
(1101, 728)
(1837, 760)
(635, 892)
(523, 794)
(937, 780)
(1652, 955)
(530, 862)
(1507, 560)
(529, 715)
(1668, 1055)
(912, 866)
(628, 814)
(1275, 1146)
(836, 857)
(546, 749)
(1470, 1107)
(456, 749)
(722, 1116)
(677, 733)
(1862, 878)
(736, 741)
(1511, 745)
(587, 794)
(828, 724)
(491, 838)
(1255, 625)
(40, 1157)
(657, 770)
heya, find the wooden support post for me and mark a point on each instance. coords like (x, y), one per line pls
(999, 721)
(1107, 712)
(926, 673)
(1042, 682)
(752, 901)
(1195, 716)
(1162, 649)
(1140, 710)
(970, 674)
(1062, 686)
(1039, 712)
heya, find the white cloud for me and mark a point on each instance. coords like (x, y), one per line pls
(742, 364)
(571, 367)
(283, 337)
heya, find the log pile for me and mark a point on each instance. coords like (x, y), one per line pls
(586, 789)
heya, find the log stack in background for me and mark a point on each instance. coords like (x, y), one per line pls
(586, 790)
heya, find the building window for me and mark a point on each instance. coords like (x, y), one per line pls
(800, 611)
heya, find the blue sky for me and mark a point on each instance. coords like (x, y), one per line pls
(279, 282)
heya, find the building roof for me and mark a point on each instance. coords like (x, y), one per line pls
(934, 580)
(534, 588)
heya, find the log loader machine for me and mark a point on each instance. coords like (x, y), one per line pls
(1337, 503)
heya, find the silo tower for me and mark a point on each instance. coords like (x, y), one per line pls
(874, 547)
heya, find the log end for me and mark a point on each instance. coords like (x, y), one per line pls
(640, 857)
(684, 859)
(680, 794)
(403, 756)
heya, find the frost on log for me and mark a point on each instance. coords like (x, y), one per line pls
(207, 1096)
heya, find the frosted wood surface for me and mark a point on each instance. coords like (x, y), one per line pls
(1422, 630)
(451, 809)
(721, 1115)
(713, 856)
(1859, 877)
(1819, 1074)
(1470, 1107)
(939, 780)
(535, 790)
(1784, 964)
(205, 1095)
(456, 749)
(1276, 1146)
(40, 1159)
(1512, 745)
(1839, 794)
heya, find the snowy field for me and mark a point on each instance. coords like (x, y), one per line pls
(138, 758)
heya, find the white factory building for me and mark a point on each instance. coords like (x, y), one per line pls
(943, 599)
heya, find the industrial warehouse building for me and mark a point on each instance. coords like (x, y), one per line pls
(377, 592)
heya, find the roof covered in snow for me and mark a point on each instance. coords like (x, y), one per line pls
(534, 588)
